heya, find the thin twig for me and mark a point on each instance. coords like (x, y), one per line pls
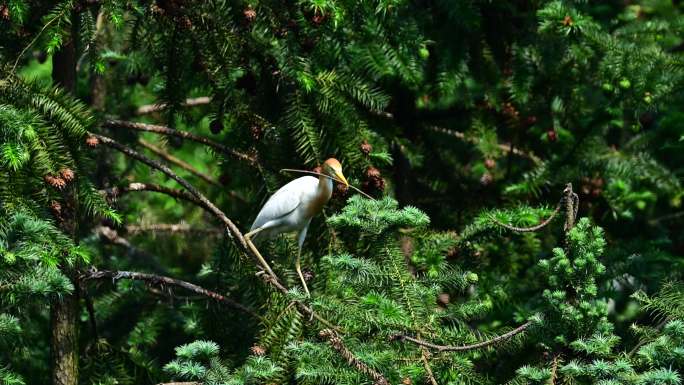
(112, 236)
(178, 162)
(508, 148)
(33, 41)
(163, 130)
(163, 280)
(189, 102)
(327, 176)
(479, 345)
(336, 342)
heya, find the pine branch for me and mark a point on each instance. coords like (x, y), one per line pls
(336, 342)
(529, 229)
(479, 345)
(162, 130)
(189, 102)
(178, 162)
(163, 280)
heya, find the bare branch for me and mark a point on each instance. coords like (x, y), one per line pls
(162, 280)
(189, 102)
(170, 228)
(336, 342)
(178, 162)
(463, 348)
(163, 130)
(115, 192)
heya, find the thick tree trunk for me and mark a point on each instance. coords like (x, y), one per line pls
(64, 343)
(64, 311)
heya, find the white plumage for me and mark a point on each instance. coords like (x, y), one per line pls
(291, 209)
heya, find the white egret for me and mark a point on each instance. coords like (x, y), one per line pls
(293, 206)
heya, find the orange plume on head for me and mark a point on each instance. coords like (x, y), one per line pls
(333, 163)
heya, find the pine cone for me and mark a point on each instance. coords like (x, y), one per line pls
(56, 182)
(67, 174)
(256, 131)
(486, 179)
(490, 163)
(4, 12)
(552, 135)
(92, 141)
(443, 299)
(366, 147)
(567, 21)
(257, 350)
(56, 208)
(250, 14)
(372, 173)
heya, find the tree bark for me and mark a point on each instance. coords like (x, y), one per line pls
(64, 311)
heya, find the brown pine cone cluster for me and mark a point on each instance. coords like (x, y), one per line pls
(373, 181)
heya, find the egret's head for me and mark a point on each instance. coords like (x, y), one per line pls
(333, 168)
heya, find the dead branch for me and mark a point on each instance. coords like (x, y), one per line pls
(162, 281)
(507, 148)
(249, 159)
(156, 107)
(170, 228)
(336, 342)
(115, 192)
(463, 348)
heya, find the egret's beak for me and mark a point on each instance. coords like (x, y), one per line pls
(341, 177)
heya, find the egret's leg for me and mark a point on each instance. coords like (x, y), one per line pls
(299, 271)
(262, 261)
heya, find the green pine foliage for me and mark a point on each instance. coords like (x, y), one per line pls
(465, 120)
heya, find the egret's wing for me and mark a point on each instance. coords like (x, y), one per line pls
(285, 200)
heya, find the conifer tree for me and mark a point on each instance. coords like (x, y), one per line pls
(139, 138)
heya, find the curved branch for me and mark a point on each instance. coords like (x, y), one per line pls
(162, 280)
(528, 229)
(463, 348)
(112, 123)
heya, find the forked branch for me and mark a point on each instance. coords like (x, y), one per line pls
(166, 281)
